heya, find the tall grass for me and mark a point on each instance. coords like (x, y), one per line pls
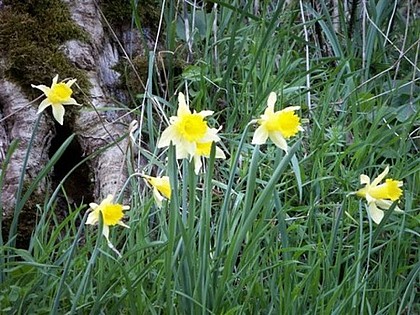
(261, 232)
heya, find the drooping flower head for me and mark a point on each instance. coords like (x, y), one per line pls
(379, 196)
(203, 150)
(161, 186)
(58, 94)
(278, 126)
(186, 130)
(112, 214)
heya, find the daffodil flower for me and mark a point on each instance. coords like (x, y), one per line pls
(186, 130)
(379, 196)
(161, 186)
(203, 150)
(112, 213)
(58, 94)
(278, 126)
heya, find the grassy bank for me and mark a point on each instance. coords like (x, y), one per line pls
(262, 231)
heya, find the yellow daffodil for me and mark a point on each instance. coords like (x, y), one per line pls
(278, 126)
(112, 213)
(203, 150)
(161, 186)
(379, 196)
(58, 94)
(186, 130)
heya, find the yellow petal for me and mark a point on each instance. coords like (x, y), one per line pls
(290, 108)
(109, 198)
(45, 89)
(163, 185)
(182, 152)
(210, 136)
(383, 204)
(44, 104)
(197, 164)
(380, 177)
(168, 135)
(55, 79)
(70, 101)
(272, 98)
(386, 204)
(220, 154)
(183, 108)
(376, 214)
(93, 205)
(364, 179)
(158, 197)
(92, 218)
(278, 140)
(105, 232)
(123, 224)
(71, 82)
(394, 192)
(205, 113)
(58, 112)
(260, 135)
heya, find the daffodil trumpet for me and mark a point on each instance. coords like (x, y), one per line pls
(380, 197)
(277, 125)
(111, 213)
(161, 188)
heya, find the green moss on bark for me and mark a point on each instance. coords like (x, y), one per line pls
(129, 78)
(119, 12)
(31, 34)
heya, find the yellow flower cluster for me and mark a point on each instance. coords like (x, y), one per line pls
(193, 138)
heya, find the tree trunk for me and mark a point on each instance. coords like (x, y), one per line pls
(93, 126)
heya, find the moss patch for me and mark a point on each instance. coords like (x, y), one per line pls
(130, 81)
(31, 34)
(119, 12)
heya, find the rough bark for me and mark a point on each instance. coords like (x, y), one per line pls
(95, 130)
(19, 122)
(93, 126)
